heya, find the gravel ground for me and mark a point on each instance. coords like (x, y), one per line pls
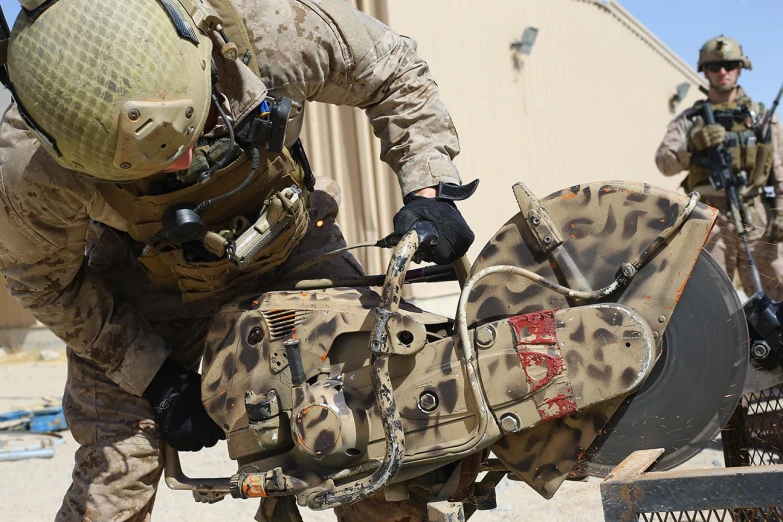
(31, 490)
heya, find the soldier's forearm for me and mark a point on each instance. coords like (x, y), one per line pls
(671, 162)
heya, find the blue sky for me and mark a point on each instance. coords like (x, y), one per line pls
(10, 8)
(684, 25)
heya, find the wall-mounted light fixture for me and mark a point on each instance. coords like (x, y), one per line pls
(525, 45)
(677, 97)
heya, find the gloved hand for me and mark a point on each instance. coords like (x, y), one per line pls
(707, 136)
(175, 395)
(454, 234)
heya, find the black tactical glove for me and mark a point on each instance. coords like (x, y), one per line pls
(454, 234)
(175, 395)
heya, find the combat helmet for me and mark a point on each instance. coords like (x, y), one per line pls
(722, 49)
(118, 90)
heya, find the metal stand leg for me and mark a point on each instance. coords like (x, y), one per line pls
(734, 438)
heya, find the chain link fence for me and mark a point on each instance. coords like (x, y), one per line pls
(723, 515)
(754, 434)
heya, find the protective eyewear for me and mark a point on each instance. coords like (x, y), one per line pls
(717, 66)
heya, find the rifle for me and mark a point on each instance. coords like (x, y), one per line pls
(724, 179)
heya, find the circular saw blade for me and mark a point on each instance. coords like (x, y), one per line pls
(695, 385)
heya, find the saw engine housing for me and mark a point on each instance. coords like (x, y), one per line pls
(331, 420)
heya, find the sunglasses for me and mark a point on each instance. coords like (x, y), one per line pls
(717, 66)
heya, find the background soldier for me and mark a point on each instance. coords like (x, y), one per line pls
(124, 138)
(685, 147)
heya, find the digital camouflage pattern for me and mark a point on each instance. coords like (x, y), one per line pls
(352, 59)
(47, 209)
(58, 265)
(673, 157)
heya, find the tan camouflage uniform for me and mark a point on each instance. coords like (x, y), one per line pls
(74, 275)
(724, 244)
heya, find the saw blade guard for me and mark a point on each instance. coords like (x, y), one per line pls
(585, 238)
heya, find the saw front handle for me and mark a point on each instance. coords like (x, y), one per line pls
(327, 495)
(423, 233)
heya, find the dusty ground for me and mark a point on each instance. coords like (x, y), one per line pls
(31, 490)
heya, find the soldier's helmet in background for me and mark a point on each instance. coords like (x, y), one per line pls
(722, 49)
(118, 90)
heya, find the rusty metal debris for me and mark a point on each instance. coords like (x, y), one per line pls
(751, 494)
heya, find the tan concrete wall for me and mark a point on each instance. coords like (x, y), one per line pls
(589, 103)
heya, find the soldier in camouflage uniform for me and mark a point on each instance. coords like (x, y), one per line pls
(86, 179)
(685, 147)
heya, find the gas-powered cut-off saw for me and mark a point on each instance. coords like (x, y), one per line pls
(591, 325)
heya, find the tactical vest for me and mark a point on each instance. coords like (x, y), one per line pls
(741, 142)
(267, 205)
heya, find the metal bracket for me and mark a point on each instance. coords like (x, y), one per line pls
(278, 361)
(208, 497)
(537, 218)
(404, 334)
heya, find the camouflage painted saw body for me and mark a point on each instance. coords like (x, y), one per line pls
(531, 381)
(549, 369)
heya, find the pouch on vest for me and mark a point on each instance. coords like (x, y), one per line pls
(243, 245)
(274, 198)
(764, 160)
